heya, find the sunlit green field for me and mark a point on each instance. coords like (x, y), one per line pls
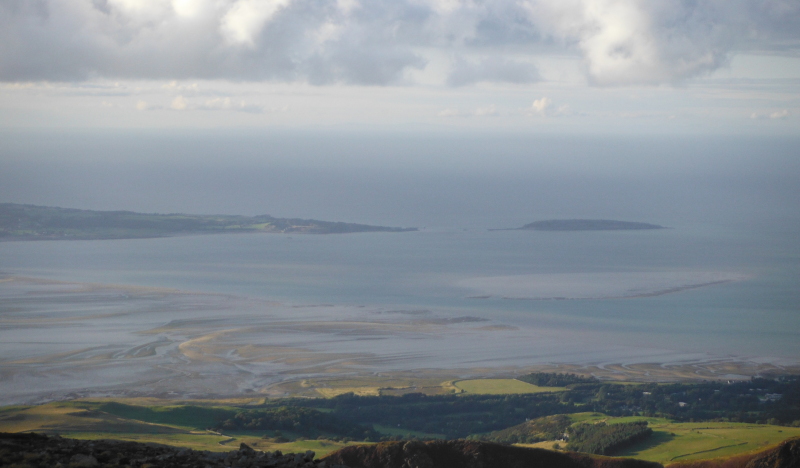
(501, 387)
(674, 442)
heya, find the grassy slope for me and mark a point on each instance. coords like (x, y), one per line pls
(672, 442)
(81, 420)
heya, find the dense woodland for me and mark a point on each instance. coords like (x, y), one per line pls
(552, 379)
(761, 400)
(606, 439)
(450, 416)
(773, 401)
(303, 422)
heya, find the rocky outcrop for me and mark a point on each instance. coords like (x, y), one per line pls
(469, 454)
(37, 450)
(785, 455)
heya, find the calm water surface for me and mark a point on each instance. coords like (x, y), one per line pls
(757, 316)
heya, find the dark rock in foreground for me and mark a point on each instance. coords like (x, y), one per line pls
(37, 450)
(785, 455)
(587, 225)
(470, 454)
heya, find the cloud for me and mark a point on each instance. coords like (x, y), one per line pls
(541, 106)
(179, 103)
(449, 112)
(243, 22)
(780, 114)
(545, 108)
(664, 41)
(492, 69)
(226, 104)
(776, 115)
(487, 111)
(621, 42)
(632, 42)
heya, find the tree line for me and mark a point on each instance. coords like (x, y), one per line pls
(605, 439)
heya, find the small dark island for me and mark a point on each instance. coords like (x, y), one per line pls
(31, 222)
(587, 225)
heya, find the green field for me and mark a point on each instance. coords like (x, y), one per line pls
(673, 442)
(501, 387)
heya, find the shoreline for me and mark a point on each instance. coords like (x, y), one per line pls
(134, 341)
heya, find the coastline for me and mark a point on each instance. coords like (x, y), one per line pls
(132, 341)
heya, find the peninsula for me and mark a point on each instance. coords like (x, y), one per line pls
(587, 225)
(31, 222)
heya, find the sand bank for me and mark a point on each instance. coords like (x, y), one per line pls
(64, 340)
(556, 286)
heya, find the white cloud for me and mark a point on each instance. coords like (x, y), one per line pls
(776, 115)
(217, 103)
(227, 104)
(347, 6)
(179, 103)
(621, 42)
(485, 111)
(189, 8)
(782, 114)
(175, 86)
(544, 107)
(641, 41)
(541, 106)
(449, 112)
(245, 19)
(493, 69)
(488, 111)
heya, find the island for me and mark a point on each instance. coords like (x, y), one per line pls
(587, 225)
(31, 222)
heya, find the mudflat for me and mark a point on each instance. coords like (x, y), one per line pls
(61, 340)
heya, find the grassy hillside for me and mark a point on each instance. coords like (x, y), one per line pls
(191, 426)
(689, 421)
(683, 441)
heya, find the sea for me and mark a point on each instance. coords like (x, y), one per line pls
(720, 282)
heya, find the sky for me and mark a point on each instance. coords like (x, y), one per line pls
(616, 67)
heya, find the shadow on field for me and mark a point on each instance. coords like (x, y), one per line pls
(658, 438)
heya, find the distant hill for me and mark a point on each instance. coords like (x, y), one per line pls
(587, 225)
(31, 222)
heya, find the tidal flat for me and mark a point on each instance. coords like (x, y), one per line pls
(63, 340)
